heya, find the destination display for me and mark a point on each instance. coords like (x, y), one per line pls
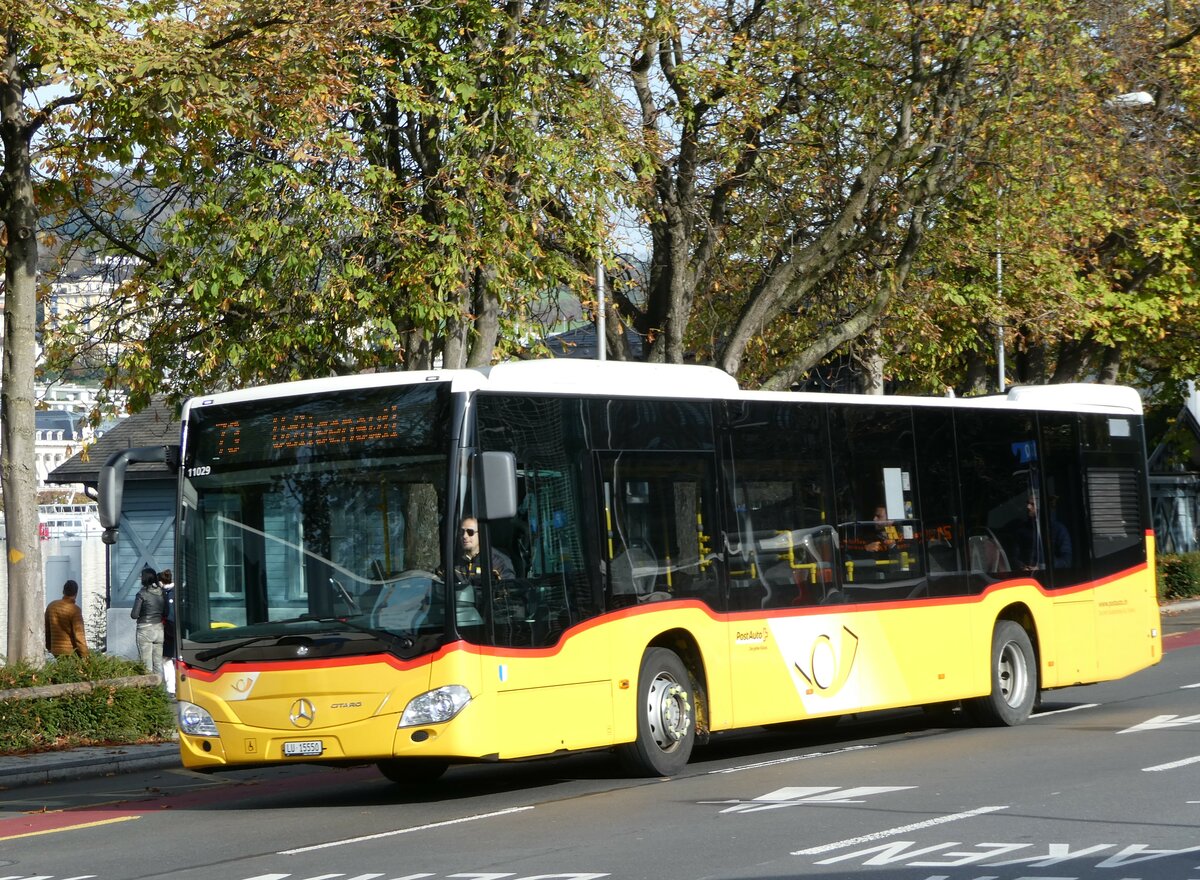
(343, 424)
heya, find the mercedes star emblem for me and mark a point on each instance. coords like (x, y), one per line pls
(302, 713)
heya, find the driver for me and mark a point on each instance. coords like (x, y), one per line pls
(468, 567)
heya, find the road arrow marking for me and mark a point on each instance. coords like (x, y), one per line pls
(796, 796)
(1163, 722)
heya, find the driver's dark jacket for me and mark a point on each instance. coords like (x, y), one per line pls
(471, 570)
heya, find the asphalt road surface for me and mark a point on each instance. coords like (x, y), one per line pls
(1104, 782)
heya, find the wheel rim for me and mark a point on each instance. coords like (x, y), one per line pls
(1013, 675)
(668, 712)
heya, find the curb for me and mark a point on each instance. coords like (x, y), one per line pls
(85, 763)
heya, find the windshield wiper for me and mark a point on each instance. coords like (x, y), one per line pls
(212, 653)
(221, 650)
(404, 641)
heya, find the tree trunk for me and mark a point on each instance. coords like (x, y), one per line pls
(482, 343)
(872, 363)
(1110, 366)
(18, 479)
(975, 381)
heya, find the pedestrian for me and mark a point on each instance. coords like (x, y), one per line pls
(168, 585)
(64, 624)
(148, 608)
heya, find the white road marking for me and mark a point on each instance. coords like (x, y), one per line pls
(1069, 709)
(1163, 722)
(430, 826)
(795, 796)
(891, 832)
(1186, 686)
(790, 760)
(1172, 765)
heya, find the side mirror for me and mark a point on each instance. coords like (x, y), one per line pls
(111, 487)
(497, 475)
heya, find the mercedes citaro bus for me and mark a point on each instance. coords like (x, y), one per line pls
(664, 556)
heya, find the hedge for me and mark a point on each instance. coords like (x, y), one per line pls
(1179, 576)
(110, 711)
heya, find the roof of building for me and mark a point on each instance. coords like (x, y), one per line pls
(157, 425)
(580, 343)
(58, 420)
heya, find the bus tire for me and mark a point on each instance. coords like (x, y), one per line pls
(1014, 678)
(666, 718)
(412, 771)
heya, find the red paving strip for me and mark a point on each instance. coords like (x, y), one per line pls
(31, 824)
(1174, 641)
(234, 796)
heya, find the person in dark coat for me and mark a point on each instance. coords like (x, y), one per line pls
(148, 609)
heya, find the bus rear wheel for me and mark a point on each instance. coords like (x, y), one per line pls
(1014, 678)
(412, 771)
(666, 720)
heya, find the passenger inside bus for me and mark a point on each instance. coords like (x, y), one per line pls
(887, 537)
(1031, 552)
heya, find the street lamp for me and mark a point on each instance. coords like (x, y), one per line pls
(1130, 100)
(999, 295)
(1126, 101)
(601, 339)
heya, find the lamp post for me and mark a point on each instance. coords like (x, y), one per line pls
(1000, 319)
(1126, 101)
(601, 338)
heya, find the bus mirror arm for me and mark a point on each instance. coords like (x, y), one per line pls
(111, 487)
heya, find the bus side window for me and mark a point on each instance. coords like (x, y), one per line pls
(1000, 461)
(782, 545)
(659, 521)
(878, 517)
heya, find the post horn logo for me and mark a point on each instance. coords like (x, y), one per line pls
(302, 714)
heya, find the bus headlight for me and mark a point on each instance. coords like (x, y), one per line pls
(195, 721)
(436, 706)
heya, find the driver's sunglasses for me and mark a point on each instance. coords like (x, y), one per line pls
(470, 533)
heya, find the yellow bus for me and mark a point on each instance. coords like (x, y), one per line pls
(421, 569)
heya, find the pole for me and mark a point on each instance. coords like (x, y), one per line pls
(1000, 320)
(999, 296)
(601, 338)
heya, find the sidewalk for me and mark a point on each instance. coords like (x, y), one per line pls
(17, 771)
(84, 763)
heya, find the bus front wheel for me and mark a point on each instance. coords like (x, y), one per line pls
(666, 720)
(1014, 678)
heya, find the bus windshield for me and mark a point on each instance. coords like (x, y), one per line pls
(312, 525)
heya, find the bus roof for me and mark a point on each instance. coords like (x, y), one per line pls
(1066, 397)
(631, 379)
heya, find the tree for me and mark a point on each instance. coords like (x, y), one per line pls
(54, 63)
(797, 158)
(376, 185)
(1088, 199)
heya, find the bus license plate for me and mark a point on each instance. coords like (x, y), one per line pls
(305, 748)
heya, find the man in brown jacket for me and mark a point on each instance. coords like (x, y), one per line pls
(64, 624)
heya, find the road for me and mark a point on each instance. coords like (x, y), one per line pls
(1102, 783)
